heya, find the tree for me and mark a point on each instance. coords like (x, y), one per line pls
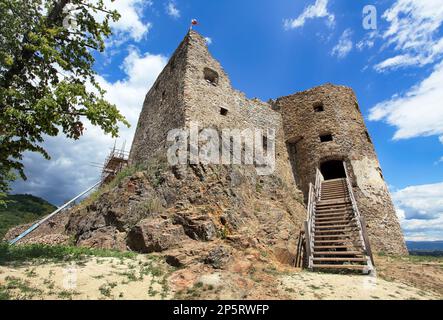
(47, 81)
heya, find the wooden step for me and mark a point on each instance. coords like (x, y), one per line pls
(341, 259)
(333, 194)
(341, 196)
(336, 247)
(337, 205)
(333, 215)
(340, 266)
(332, 241)
(334, 198)
(344, 216)
(340, 203)
(333, 187)
(340, 236)
(333, 190)
(333, 211)
(347, 225)
(338, 253)
(332, 222)
(327, 231)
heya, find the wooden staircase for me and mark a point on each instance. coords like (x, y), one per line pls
(335, 232)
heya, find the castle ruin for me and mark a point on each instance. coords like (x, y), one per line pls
(318, 130)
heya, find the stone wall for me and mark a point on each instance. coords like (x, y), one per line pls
(183, 93)
(204, 102)
(334, 110)
(163, 109)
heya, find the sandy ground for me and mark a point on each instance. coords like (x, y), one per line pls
(148, 277)
(314, 286)
(424, 273)
(96, 278)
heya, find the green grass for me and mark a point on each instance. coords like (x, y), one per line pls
(22, 209)
(23, 287)
(154, 169)
(26, 253)
(414, 258)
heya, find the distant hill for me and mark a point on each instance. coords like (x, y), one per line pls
(434, 248)
(22, 208)
(425, 245)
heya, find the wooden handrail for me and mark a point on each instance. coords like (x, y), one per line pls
(313, 196)
(359, 220)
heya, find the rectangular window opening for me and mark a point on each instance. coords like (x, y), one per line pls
(223, 111)
(265, 143)
(326, 138)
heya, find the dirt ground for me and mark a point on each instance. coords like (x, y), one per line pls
(149, 277)
(95, 278)
(425, 273)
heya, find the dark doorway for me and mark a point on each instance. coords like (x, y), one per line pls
(333, 170)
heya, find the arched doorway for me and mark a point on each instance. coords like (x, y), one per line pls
(332, 169)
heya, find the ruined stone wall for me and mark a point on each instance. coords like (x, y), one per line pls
(163, 109)
(183, 94)
(204, 101)
(304, 123)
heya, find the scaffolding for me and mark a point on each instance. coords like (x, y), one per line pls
(116, 161)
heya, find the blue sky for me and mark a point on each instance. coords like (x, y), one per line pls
(275, 48)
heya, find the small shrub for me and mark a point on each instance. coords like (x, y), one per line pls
(25, 253)
(151, 205)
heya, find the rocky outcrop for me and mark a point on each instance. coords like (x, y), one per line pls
(189, 214)
(155, 235)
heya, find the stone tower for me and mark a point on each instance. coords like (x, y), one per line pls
(324, 128)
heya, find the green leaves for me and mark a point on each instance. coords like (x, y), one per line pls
(46, 76)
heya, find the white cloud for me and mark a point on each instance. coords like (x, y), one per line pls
(172, 10)
(397, 62)
(208, 40)
(424, 202)
(344, 45)
(317, 10)
(418, 112)
(131, 23)
(413, 32)
(70, 171)
(420, 210)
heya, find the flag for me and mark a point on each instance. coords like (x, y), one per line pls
(194, 22)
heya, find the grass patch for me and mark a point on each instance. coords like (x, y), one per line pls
(22, 287)
(151, 205)
(314, 287)
(105, 290)
(66, 294)
(154, 169)
(413, 258)
(32, 252)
